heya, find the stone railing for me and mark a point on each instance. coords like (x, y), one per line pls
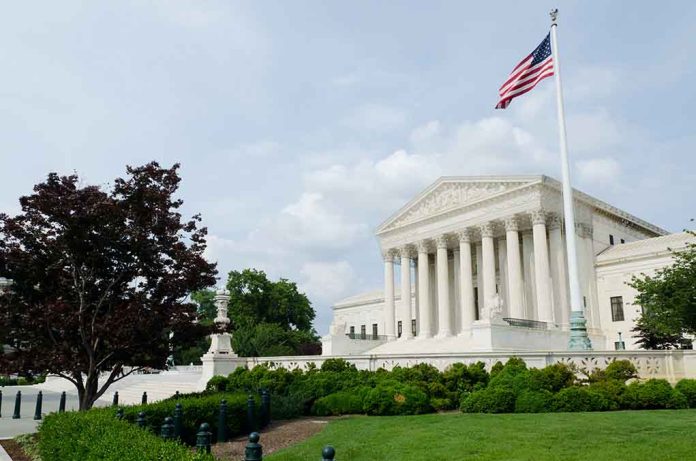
(671, 365)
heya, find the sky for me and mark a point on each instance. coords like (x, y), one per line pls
(301, 126)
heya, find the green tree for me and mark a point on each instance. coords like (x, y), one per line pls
(206, 305)
(668, 299)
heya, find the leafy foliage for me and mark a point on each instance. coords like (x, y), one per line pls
(100, 277)
(668, 300)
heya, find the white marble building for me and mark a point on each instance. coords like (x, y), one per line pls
(481, 263)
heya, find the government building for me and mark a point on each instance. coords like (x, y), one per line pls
(478, 264)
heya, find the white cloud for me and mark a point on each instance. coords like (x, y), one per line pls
(327, 280)
(598, 170)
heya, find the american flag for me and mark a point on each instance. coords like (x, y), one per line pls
(534, 68)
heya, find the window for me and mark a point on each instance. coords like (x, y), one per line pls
(374, 331)
(623, 241)
(413, 327)
(476, 302)
(611, 239)
(398, 329)
(617, 313)
(363, 332)
(352, 332)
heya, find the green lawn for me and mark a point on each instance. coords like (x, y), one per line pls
(616, 436)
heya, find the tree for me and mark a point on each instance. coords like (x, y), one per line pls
(668, 300)
(269, 318)
(205, 299)
(101, 278)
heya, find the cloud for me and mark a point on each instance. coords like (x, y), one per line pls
(327, 280)
(598, 170)
(374, 117)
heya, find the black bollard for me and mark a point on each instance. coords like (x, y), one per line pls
(39, 402)
(265, 407)
(61, 404)
(140, 421)
(222, 422)
(115, 401)
(0, 404)
(203, 438)
(328, 453)
(144, 401)
(119, 413)
(178, 414)
(167, 431)
(251, 403)
(18, 405)
(253, 450)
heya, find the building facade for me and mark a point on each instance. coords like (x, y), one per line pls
(479, 264)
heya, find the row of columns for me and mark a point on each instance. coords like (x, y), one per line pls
(545, 296)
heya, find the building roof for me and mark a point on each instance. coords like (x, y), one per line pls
(647, 247)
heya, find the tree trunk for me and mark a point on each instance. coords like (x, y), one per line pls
(87, 395)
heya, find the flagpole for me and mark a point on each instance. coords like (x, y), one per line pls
(578, 325)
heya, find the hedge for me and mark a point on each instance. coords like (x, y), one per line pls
(97, 435)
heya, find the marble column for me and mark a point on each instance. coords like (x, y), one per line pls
(389, 309)
(466, 282)
(514, 264)
(443, 295)
(559, 271)
(424, 310)
(488, 255)
(405, 311)
(542, 272)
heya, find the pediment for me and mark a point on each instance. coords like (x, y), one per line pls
(448, 194)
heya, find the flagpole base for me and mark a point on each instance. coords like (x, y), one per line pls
(579, 340)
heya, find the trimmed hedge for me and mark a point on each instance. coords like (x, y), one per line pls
(97, 435)
(688, 388)
(196, 409)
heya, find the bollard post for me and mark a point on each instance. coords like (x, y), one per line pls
(61, 404)
(222, 422)
(18, 405)
(250, 413)
(144, 400)
(253, 450)
(0, 404)
(140, 421)
(39, 402)
(203, 438)
(328, 453)
(167, 431)
(115, 401)
(265, 407)
(178, 414)
(119, 414)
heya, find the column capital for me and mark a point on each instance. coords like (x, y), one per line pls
(464, 236)
(424, 246)
(512, 224)
(486, 229)
(441, 241)
(553, 222)
(388, 255)
(538, 216)
(406, 251)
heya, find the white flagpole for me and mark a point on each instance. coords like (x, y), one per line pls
(578, 325)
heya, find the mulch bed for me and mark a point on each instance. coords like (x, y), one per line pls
(277, 435)
(14, 450)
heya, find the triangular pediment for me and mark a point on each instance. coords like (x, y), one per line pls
(450, 193)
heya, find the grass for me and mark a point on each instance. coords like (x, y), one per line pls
(621, 435)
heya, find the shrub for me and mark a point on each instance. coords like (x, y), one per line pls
(341, 403)
(580, 399)
(196, 409)
(653, 394)
(395, 398)
(489, 400)
(618, 370)
(286, 406)
(97, 435)
(458, 378)
(534, 401)
(513, 375)
(552, 378)
(217, 384)
(337, 365)
(612, 390)
(688, 388)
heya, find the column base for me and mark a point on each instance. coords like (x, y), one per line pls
(442, 335)
(579, 340)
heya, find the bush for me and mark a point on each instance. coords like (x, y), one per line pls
(341, 403)
(688, 388)
(534, 401)
(653, 394)
(337, 365)
(97, 435)
(552, 378)
(618, 370)
(489, 400)
(217, 384)
(612, 390)
(514, 376)
(395, 398)
(196, 409)
(580, 399)
(458, 378)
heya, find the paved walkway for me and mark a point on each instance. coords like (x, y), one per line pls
(26, 424)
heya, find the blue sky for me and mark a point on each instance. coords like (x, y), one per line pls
(301, 126)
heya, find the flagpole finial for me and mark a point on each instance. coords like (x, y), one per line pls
(554, 15)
